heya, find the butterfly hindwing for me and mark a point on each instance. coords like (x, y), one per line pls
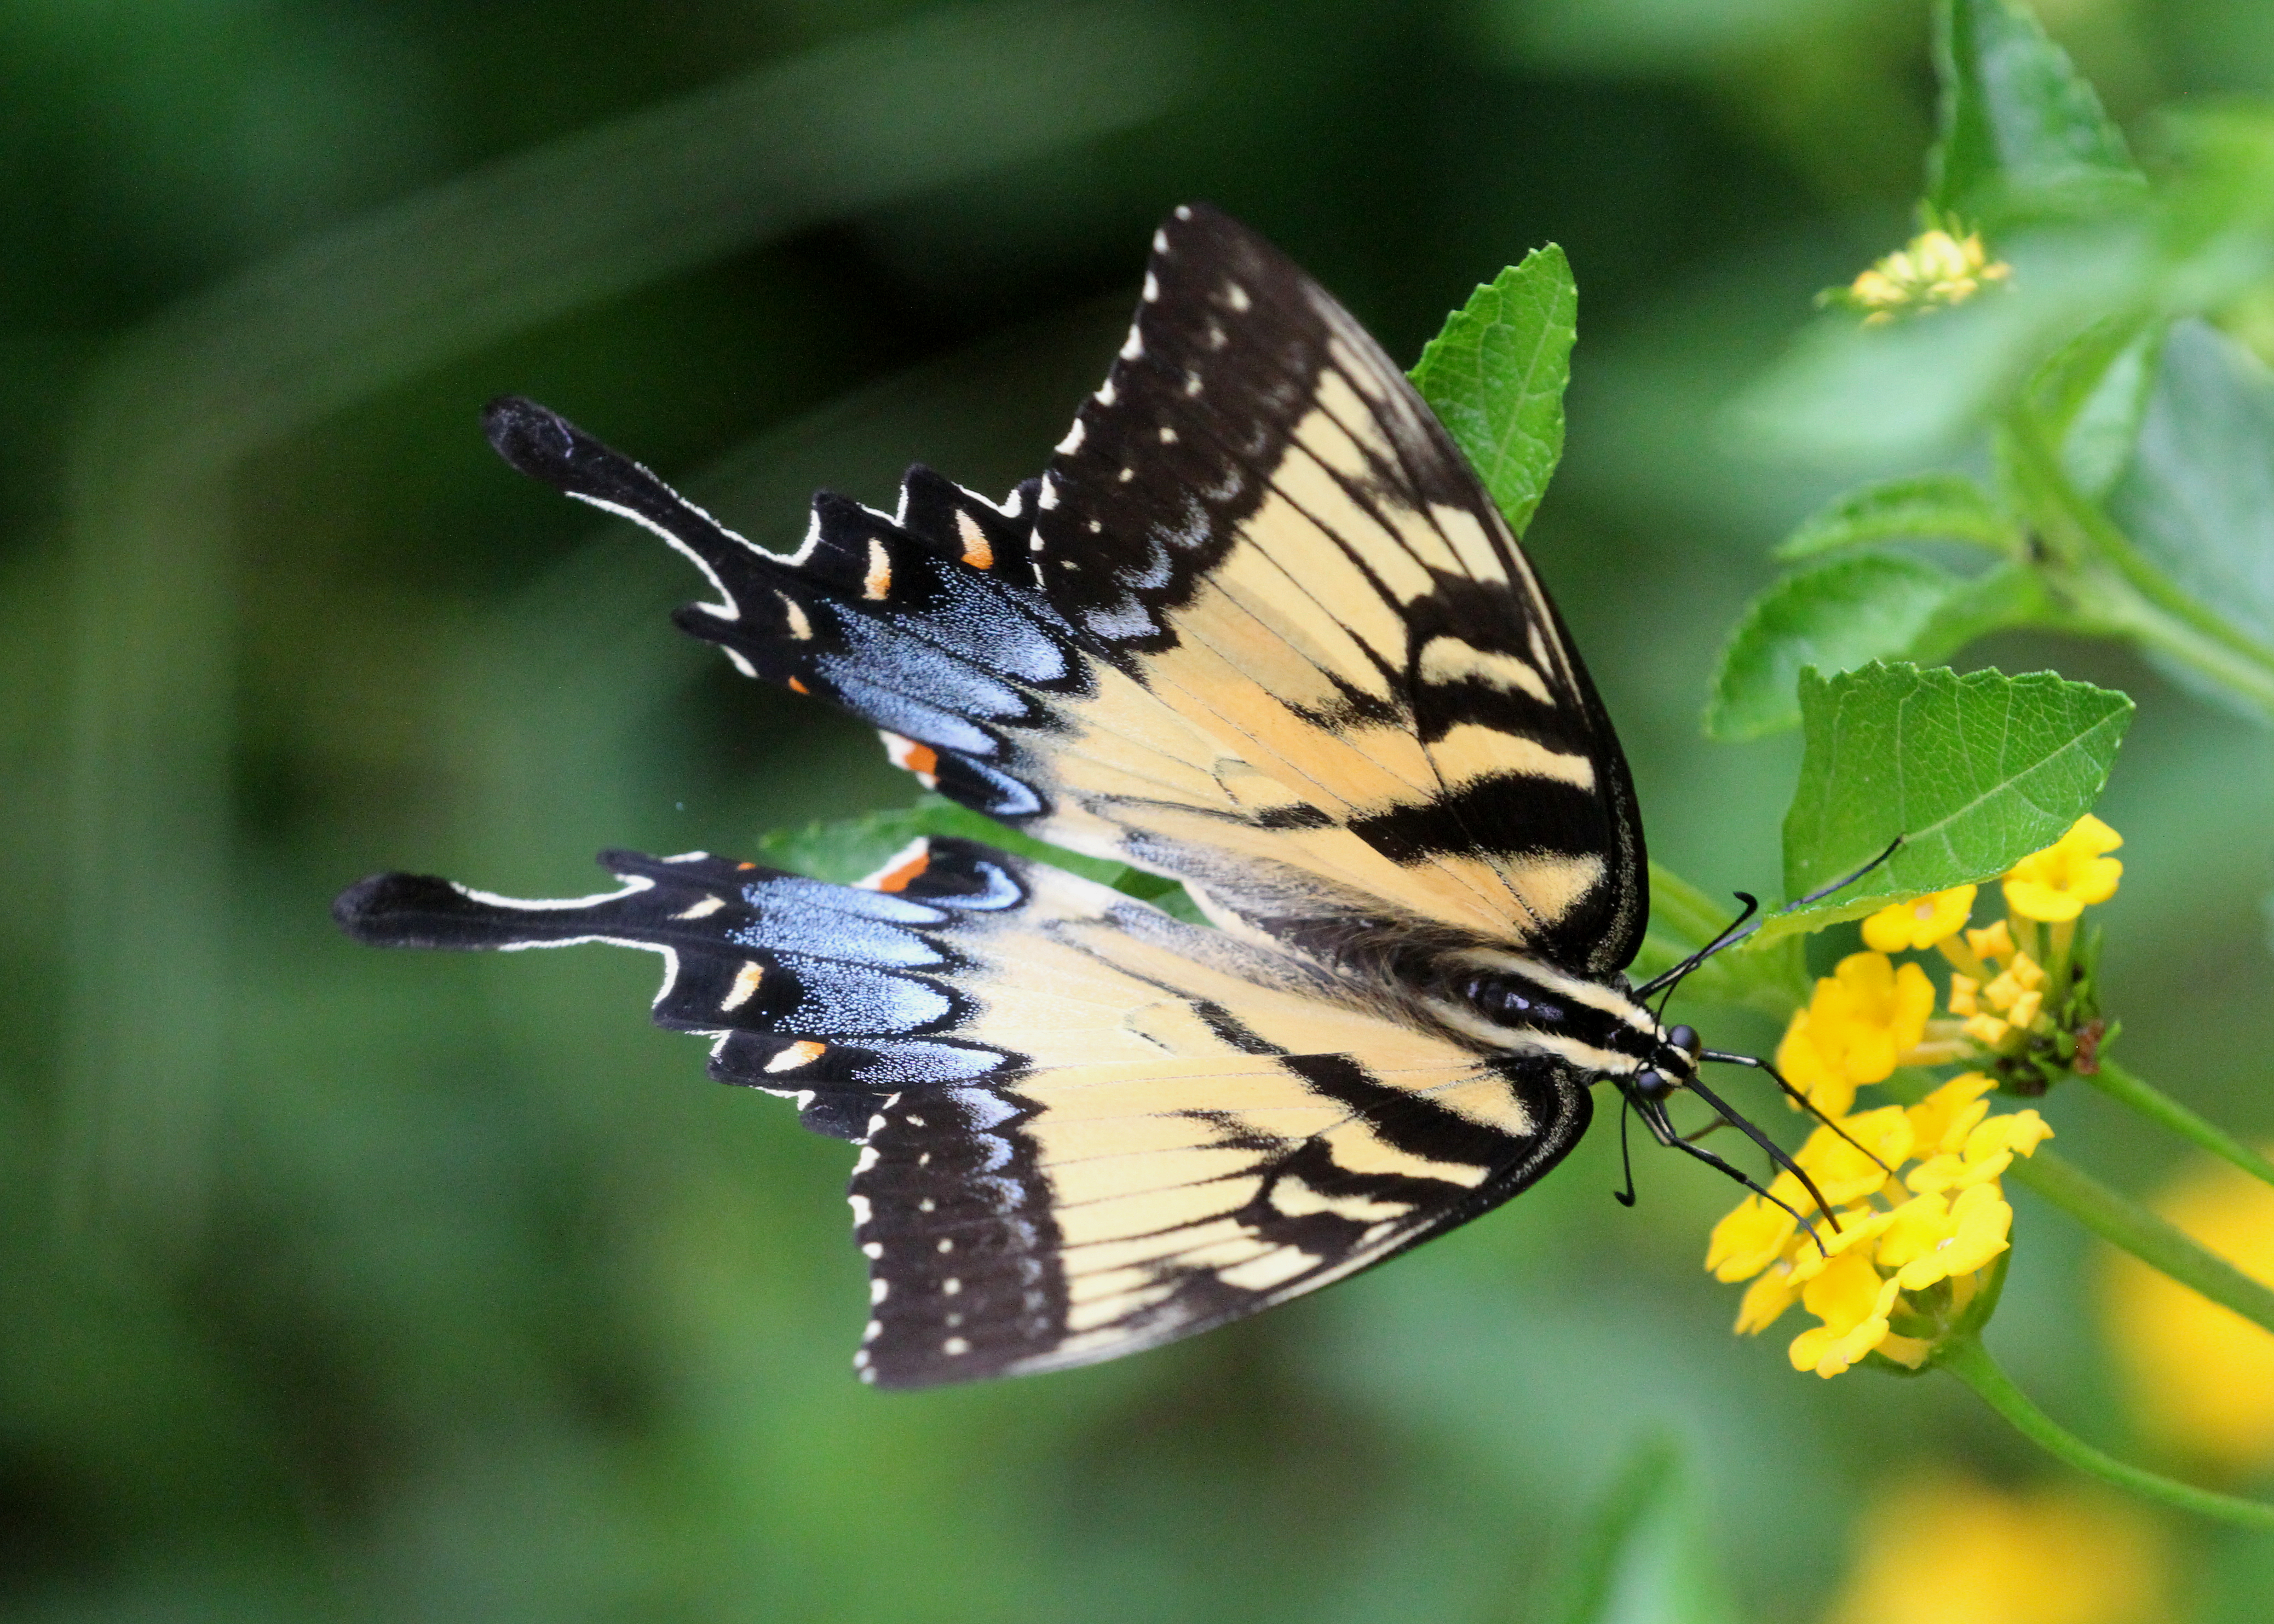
(1086, 1127)
(1082, 1213)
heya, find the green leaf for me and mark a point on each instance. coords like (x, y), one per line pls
(1494, 376)
(1645, 1554)
(2198, 496)
(1840, 614)
(1975, 772)
(1921, 507)
(844, 850)
(2091, 395)
(2023, 136)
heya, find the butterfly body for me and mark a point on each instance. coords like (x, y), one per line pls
(1256, 629)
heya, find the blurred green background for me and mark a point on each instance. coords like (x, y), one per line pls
(336, 1284)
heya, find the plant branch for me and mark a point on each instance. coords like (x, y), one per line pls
(2122, 1221)
(1966, 1358)
(2160, 1108)
(2112, 588)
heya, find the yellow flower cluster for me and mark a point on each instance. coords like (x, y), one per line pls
(2059, 882)
(1909, 1248)
(1864, 1017)
(1909, 1245)
(1934, 269)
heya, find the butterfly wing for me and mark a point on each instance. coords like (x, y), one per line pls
(1086, 1127)
(1258, 628)
(1260, 517)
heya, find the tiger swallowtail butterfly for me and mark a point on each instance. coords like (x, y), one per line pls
(1257, 628)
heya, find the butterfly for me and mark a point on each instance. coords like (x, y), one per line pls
(1258, 629)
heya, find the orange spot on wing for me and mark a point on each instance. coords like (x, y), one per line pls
(921, 758)
(899, 879)
(796, 686)
(980, 556)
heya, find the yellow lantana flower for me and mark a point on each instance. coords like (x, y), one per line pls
(1942, 1120)
(2199, 1377)
(1846, 1168)
(1882, 1245)
(1932, 269)
(1851, 1299)
(1921, 923)
(2071, 874)
(1856, 1026)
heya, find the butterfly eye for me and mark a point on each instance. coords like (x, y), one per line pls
(1652, 1085)
(1685, 1039)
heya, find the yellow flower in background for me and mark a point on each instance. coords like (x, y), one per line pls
(1921, 923)
(1946, 1550)
(2200, 1378)
(2069, 876)
(1931, 270)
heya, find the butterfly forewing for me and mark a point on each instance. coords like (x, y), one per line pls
(1258, 516)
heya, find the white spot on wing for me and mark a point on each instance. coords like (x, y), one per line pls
(703, 909)
(1072, 443)
(746, 982)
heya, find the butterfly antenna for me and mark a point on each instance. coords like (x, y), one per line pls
(1626, 1197)
(1798, 1098)
(1739, 929)
(1672, 978)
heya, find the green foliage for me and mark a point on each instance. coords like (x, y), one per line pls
(2198, 493)
(2134, 442)
(1646, 1553)
(2022, 133)
(1917, 508)
(846, 849)
(1842, 613)
(1494, 375)
(1972, 772)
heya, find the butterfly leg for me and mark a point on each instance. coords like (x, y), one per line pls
(1654, 1117)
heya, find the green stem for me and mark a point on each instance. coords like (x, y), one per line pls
(2112, 587)
(2122, 1221)
(2160, 1108)
(1966, 1358)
